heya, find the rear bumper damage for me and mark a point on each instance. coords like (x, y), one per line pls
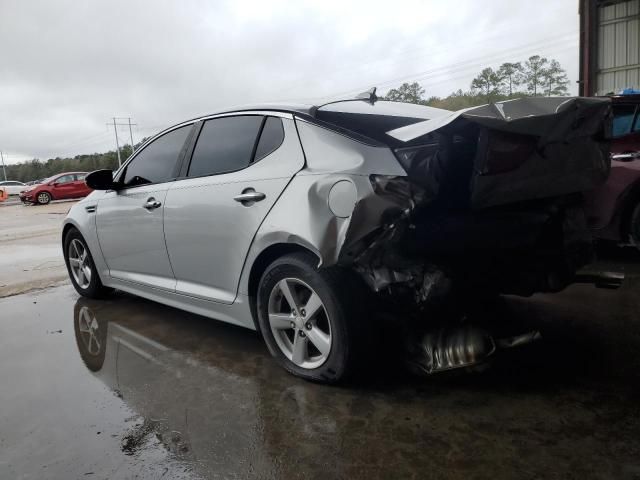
(492, 200)
(491, 203)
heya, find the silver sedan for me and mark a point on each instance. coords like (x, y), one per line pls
(300, 221)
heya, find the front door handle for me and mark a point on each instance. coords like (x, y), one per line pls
(152, 204)
(249, 196)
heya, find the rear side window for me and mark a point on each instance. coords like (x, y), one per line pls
(623, 119)
(155, 164)
(271, 137)
(225, 145)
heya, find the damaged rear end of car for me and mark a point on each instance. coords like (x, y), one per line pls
(488, 201)
(491, 200)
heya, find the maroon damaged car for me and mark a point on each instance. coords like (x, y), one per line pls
(614, 208)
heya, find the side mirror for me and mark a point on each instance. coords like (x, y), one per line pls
(100, 180)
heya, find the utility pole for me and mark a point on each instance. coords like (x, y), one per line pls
(131, 136)
(115, 130)
(4, 169)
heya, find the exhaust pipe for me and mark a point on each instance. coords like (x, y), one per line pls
(459, 347)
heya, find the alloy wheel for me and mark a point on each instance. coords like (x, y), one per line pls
(299, 323)
(79, 263)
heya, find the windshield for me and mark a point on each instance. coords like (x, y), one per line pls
(49, 179)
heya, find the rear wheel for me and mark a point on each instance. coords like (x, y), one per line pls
(82, 270)
(312, 319)
(43, 198)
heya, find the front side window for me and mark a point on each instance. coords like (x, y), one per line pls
(156, 163)
(64, 179)
(623, 119)
(225, 145)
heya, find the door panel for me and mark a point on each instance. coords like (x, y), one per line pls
(208, 232)
(131, 236)
(64, 187)
(129, 221)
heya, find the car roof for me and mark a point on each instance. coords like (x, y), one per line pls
(352, 117)
(628, 98)
(349, 106)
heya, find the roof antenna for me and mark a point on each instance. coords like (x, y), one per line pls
(369, 96)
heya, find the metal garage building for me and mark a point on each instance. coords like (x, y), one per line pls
(609, 46)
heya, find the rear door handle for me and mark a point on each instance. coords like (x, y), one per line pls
(249, 196)
(152, 204)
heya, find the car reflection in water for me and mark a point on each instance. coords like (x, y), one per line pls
(223, 405)
(209, 394)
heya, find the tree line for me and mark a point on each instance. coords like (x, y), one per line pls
(38, 170)
(536, 76)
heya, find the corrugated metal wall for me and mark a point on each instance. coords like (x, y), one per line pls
(618, 47)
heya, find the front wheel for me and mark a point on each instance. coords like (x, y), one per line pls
(312, 319)
(43, 198)
(82, 270)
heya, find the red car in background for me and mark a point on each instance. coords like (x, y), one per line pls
(61, 186)
(614, 208)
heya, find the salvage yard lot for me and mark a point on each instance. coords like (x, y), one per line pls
(187, 397)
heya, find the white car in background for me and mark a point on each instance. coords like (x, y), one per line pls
(12, 187)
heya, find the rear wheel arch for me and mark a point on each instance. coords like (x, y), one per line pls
(260, 264)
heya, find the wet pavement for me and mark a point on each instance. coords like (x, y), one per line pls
(125, 388)
(31, 255)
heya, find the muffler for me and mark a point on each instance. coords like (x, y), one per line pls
(458, 347)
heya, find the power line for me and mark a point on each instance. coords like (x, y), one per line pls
(469, 63)
(430, 50)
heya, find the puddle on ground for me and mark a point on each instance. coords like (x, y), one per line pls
(127, 388)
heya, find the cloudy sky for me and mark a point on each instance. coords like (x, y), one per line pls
(67, 67)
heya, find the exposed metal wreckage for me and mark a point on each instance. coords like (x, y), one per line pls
(492, 203)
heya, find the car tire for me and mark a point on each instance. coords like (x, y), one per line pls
(84, 275)
(334, 336)
(43, 198)
(634, 226)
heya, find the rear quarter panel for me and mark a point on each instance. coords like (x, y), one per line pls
(302, 215)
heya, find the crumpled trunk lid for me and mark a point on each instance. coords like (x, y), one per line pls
(509, 152)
